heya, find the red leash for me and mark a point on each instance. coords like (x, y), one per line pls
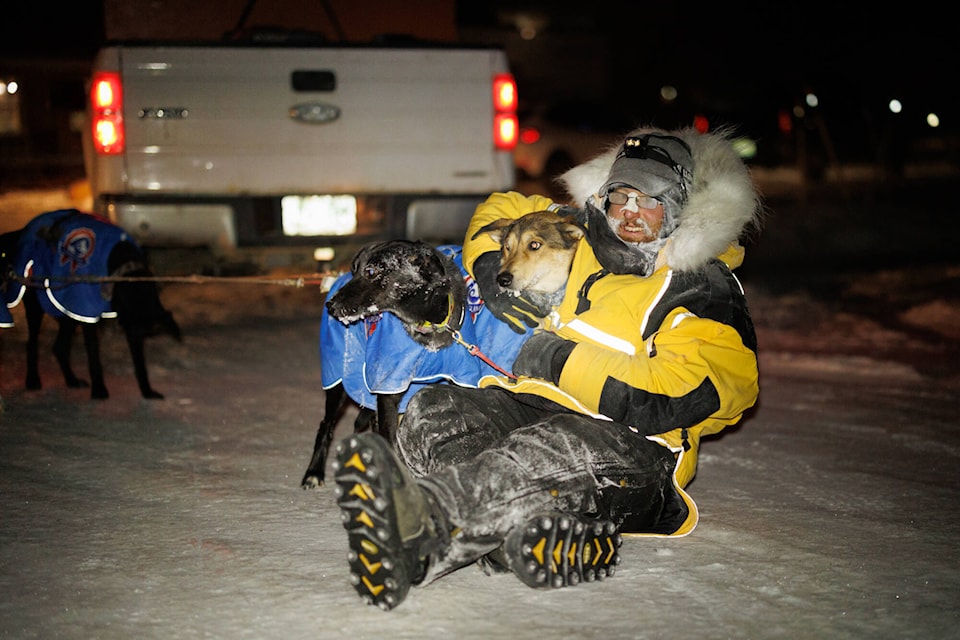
(474, 350)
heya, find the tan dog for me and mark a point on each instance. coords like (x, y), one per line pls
(536, 254)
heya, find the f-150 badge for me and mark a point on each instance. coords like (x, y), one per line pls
(163, 113)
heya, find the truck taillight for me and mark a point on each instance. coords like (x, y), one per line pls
(106, 106)
(505, 125)
(505, 131)
(504, 92)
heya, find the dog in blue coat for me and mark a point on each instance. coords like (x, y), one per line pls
(56, 265)
(407, 315)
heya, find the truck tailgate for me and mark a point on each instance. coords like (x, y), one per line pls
(232, 120)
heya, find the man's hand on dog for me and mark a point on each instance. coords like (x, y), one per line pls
(543, 356)
(517, 312)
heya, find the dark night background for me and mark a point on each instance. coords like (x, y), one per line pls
(744, 53)
(748, 64)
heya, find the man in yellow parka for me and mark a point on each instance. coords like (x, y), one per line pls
(651, 348)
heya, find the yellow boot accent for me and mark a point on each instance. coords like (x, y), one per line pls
(598, 554)
(362, 491)
(557, 553)
(538, 550)
(356, 462)
(371, 567)
(613, 550)
(374, 589)
(365, 520)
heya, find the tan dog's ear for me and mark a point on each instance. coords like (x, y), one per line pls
(495, 229)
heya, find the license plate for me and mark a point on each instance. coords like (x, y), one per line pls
(318, 215)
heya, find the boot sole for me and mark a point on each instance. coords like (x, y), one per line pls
(554, 551)
(364, 484)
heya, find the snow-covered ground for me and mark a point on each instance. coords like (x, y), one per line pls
(830, 512)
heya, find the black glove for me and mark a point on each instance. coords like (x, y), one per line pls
(543, 356)
(514, 310)
(579, 215)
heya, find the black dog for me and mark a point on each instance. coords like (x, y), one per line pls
(432, 301)
(419, 285)
(45, 264)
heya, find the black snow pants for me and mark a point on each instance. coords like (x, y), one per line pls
(493, 461)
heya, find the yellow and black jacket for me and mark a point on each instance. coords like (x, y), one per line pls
(672, 355)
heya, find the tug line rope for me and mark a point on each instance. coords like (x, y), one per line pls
(322, 279)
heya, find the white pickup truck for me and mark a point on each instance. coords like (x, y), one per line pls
(243, 147)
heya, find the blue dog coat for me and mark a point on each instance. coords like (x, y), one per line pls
(63, 244)
(376, 355)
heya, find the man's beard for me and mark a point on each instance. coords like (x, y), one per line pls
(639, 222)
(614, 254)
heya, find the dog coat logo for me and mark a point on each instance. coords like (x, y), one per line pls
(474, 300)
(370, 324)
(77, 248)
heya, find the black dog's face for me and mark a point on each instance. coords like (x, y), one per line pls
(395, 276)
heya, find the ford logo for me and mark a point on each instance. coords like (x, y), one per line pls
(314, 112)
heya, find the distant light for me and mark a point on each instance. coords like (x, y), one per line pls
(784, 123)
(529, 24)
(700, 123)
(668, 93)
(799, 111)
(8, 88)
(529, 135)
(811, 100)
(895, 106)
(745, 147)
(933, 120)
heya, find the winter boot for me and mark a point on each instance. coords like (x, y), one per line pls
(392, 524)
(558, 550)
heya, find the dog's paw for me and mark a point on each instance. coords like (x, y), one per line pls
(311, 481)
(99, 393)
(150, 394)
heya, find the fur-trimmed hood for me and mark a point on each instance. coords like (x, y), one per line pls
(723, 202)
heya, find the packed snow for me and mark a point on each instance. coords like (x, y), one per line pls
(830, 512)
